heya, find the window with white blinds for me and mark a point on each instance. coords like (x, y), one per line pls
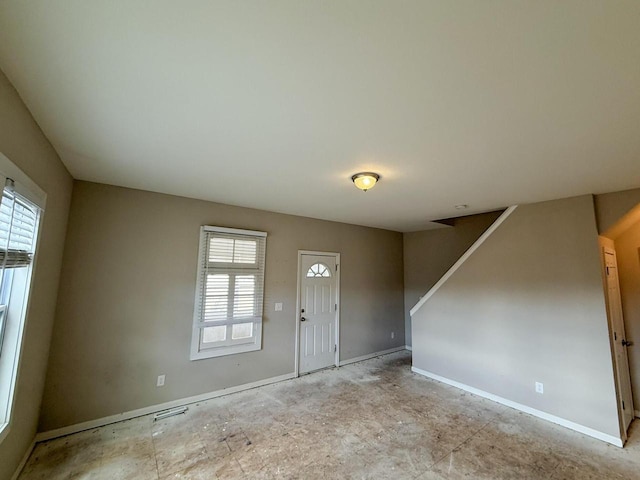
(18, 227)
(229, 292)
(18, 222)
(19, 218)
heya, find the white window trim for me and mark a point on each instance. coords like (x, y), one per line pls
(196, 352)
(23, 184)
(30, 190)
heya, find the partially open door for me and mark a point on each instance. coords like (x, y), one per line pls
(619, 339)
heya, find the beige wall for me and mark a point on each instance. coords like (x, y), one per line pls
(25, 145)
(126, 300)
(611, 207)
(618, 216)
(429, 254)
(627, 248)
(528, 306)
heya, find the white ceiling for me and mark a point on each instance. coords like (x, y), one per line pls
(275, 104)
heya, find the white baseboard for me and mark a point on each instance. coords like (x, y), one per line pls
(637, 412)
(408, 347)
(23, 462)
(100, 422)
(371, 355)
(523, 408)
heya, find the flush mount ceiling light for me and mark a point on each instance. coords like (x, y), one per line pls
(365, 180)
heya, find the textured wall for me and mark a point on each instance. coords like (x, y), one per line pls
(125, 306)
(22, 141)
(611, 207)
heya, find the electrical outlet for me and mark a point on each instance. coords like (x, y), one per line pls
(393, 335)
(278, 307)
(160, 382)
(539, 387)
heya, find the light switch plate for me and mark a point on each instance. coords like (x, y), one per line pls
(278, 307)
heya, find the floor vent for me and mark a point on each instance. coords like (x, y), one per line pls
(169, 413)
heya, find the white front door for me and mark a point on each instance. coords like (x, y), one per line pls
(318, 311)
(619, 338)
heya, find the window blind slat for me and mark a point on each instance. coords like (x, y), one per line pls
(18, 223)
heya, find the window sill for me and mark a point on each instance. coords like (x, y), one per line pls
(4, 431)
(223, 351)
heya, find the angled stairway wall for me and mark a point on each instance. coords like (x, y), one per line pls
(527, 306)
(430, 253)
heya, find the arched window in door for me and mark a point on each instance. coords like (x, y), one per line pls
(318, 270)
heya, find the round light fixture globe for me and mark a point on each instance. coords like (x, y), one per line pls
(365, 180)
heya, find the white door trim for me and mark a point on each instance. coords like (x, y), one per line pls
(339, 269)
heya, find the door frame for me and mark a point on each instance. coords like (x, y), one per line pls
(605, 249)
(336, 255)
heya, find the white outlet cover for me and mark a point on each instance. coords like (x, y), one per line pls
(160, 382)
(539, 387)
(393, 335)
(278, 307)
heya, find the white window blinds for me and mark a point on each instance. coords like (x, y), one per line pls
(21, 208)
(18, 224)
(229, 298)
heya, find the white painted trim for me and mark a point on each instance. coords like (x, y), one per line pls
(315, 252)
(464, 257)
(24, 185)
(24, 460)
(11, 366)
(605, 437)
(4, 430)
(298, 282)
(408, 347)
(234, 231)
(197, 352)
(296, 350)
(372, 355)
(338, 303)
(100, 422)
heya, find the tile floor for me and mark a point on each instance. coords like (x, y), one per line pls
(373, 419)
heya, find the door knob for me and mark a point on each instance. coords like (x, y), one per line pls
(626, 343)
(302, 319)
